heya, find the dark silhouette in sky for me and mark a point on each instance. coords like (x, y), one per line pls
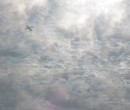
(29, 28)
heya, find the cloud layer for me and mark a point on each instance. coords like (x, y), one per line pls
(76, 57)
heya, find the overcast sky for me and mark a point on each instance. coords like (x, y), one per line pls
(76, 57)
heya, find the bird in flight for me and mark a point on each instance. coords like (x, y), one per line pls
(29, 28)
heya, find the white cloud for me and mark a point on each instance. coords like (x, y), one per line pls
(78, 11)
(73, 43)
(24, 5)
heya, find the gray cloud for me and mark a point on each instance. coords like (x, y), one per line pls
(77, 57)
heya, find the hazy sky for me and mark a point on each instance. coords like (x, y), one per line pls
(76, 57)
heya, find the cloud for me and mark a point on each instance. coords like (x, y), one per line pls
(76, 57)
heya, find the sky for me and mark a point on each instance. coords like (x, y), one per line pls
(76, 57)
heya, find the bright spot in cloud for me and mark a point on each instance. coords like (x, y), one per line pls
(79, 11)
